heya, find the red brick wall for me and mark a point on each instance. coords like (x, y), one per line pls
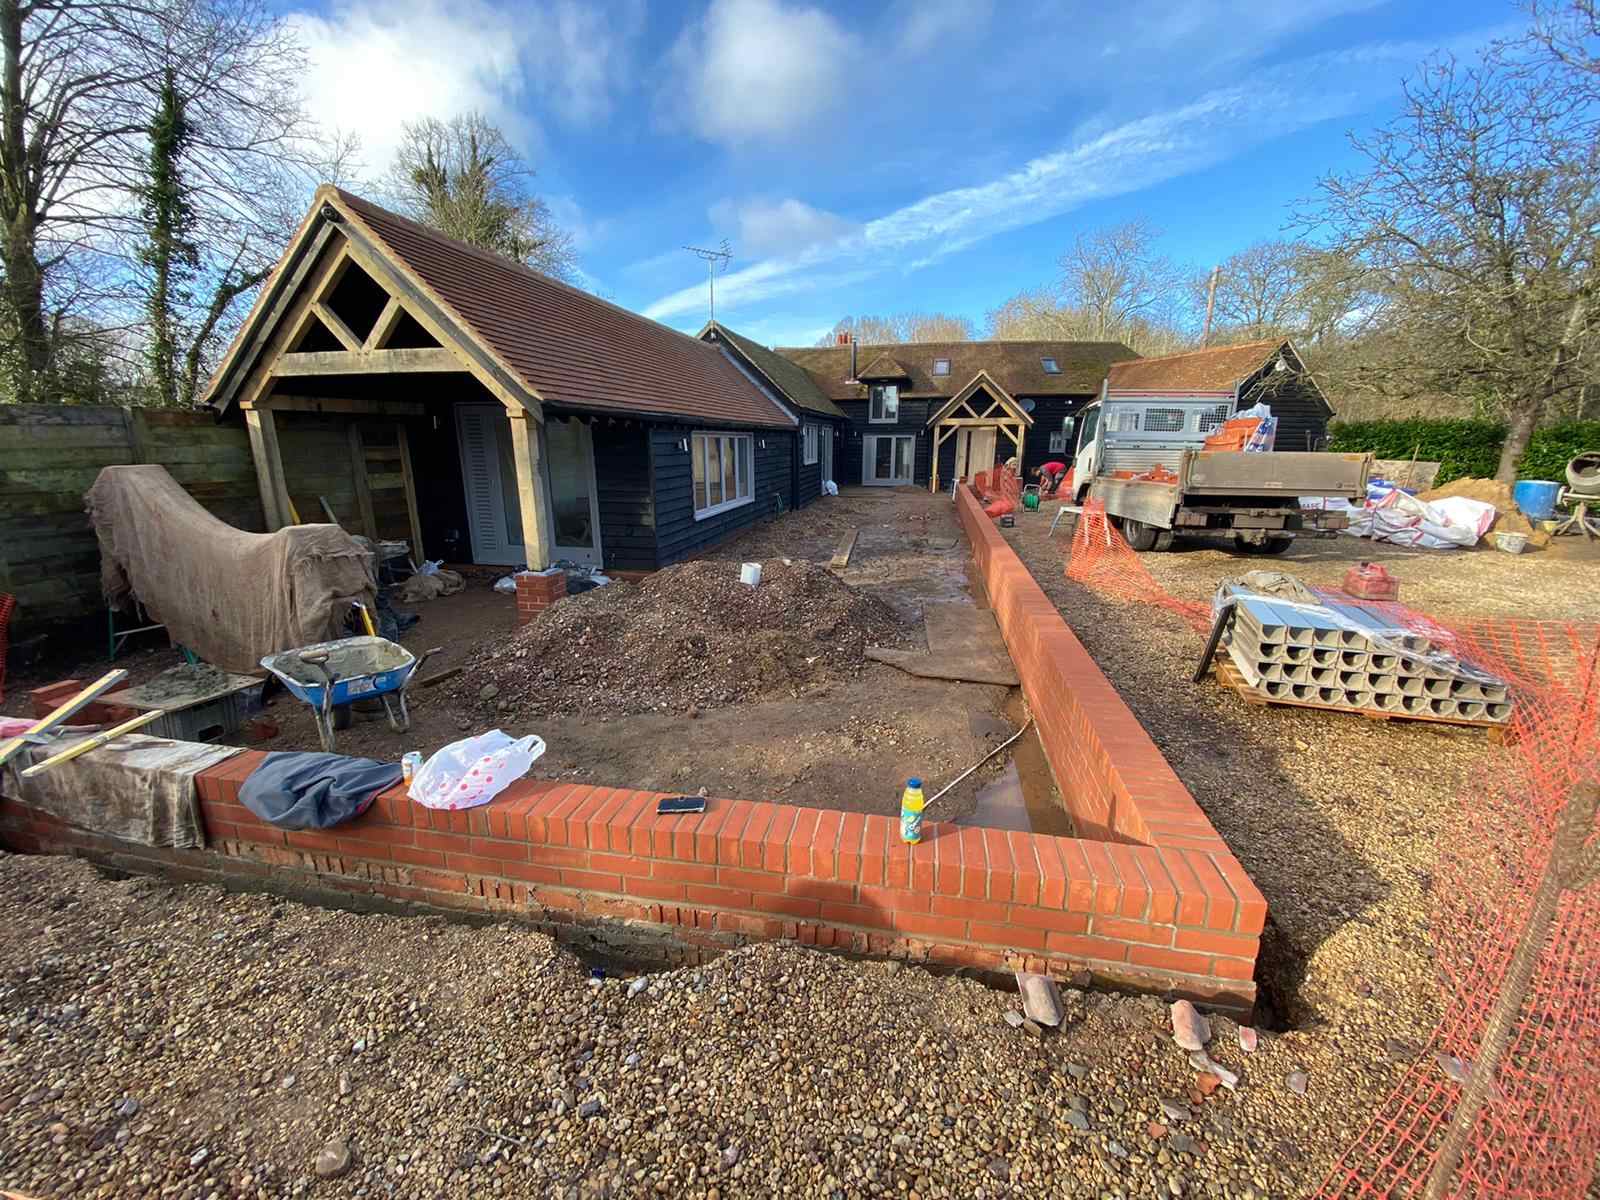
(1161, 904)
(535, 593)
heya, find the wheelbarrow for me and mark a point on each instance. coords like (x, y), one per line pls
(331, 676)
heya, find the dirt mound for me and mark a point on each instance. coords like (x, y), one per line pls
(688, 636)
(1492, 491)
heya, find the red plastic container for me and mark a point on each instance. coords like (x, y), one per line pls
(1369, 581)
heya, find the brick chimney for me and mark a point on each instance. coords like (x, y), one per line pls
(845, 338)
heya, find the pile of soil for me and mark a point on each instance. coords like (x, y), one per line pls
(685, 638)
(1492, 491)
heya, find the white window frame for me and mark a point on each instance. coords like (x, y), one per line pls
(888, 393)
(941, 362)
(811, 435)
(742, 447)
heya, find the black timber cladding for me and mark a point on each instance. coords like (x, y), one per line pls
(808, 476)
(1295, 401)
(626, 499)
(912, 419)
(678, 534)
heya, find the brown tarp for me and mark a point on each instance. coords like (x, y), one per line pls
(229, 596)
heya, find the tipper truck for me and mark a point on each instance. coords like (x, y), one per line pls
(1142, 455)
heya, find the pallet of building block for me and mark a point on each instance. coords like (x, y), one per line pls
(1374, 705)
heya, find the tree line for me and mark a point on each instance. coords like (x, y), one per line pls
(1454, 273)
(155, 154)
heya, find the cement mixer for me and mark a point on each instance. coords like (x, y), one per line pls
(1583, 494)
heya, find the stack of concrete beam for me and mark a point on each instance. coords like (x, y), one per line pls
(1343, 656)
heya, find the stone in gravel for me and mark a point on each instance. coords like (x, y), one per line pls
(345, 1086)
(1013, 1018)
(128, 1108)
(1033, 1027)
(1077, 1070)
(454, 1084)
(199, 1156)
(1189, 1029)
(488, 691)
(1155, 1130)
(1077, 1118)
(1400, 1050)
(1248, 1039)
(1041, 999)
(1182, 1143)
(1176, 1111)
(635, 986)
(333, 1160)
(1204, 1063)
(1000, 1169)
(589, 1108)
(1297, 1082)
(287, 1082)
(731, 1155)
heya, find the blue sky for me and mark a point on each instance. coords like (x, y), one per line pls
(909, 155)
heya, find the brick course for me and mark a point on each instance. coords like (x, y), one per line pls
(1157, 902)
(535, 593)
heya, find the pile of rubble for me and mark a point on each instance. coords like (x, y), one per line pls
(689, 637)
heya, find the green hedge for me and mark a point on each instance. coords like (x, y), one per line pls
(1466, 448)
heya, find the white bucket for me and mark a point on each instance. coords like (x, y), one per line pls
(750, 574)
(1511, 543)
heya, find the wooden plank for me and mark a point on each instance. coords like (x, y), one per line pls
(411, 494)
(847, 544)
(358, 472)
(343, 405)
(384, 326)
(371, 362)
(335, 325)
(269, 468)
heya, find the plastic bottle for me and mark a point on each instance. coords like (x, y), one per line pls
(911, 804)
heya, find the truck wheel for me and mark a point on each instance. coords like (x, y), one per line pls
(1140, 536)
(1164, 540)
(1273, 545)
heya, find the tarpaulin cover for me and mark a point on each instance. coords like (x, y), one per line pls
(230, 596)
(302, 790)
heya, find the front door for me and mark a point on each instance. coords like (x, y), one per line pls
(489, 476)
(825, 450)
(887, 460)
(574, 505)
(982, 453)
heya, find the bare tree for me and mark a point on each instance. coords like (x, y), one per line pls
(463, 178)
(1260, 292)
(1117, 276)
(1476, 221)
(902, 327)
(81, 84)
(1042, 315)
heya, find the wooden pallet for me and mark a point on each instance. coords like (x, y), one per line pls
(1230, 677)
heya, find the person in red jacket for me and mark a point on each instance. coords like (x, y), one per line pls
(1050, 475)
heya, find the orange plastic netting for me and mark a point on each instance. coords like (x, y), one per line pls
(1502, 1103)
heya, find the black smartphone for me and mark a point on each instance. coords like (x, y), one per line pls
(671, 805)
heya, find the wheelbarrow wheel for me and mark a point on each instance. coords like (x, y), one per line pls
(343, 717)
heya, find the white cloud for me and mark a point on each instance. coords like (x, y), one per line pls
(942, 25)
(762, 226)
(1098, 163)
(372, 67)
(757, 70)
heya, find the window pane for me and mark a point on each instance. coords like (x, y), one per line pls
(714, 470)
(891, 402)
(698, 457)
(904, 449)
(730, 481)
(749, 470)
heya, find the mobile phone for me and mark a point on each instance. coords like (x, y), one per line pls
(671, 805)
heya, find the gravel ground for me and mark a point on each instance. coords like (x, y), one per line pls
(177, 1040)
(1336, 818)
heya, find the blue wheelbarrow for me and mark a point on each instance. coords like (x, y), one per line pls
(331, 676)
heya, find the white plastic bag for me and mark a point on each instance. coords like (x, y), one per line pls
(474, 770)
(506, 584)
(830, 488)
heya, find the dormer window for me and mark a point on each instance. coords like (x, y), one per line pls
(884, 407)
(941, 366)
(1050, 366)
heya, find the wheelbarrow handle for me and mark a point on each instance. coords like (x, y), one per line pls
(416, 671)
(319, 660)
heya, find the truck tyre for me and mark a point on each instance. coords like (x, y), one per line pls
(1273, 545)
(1164, 540)
(1140, 536)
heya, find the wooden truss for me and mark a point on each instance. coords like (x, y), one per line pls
(981, 404)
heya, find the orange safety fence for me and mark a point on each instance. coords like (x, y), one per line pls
(1502, 1102)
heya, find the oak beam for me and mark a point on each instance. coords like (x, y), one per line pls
(269, 468)
(366, 362)
(527, 446)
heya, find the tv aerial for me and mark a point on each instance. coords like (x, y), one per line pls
(713, 259)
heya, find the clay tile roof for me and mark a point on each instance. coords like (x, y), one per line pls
(1218, 369)
(572, 349)
(1016, 366)
(789, 378)
(883, 367)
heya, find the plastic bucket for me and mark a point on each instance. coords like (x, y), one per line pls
(750, 574)
(1536, 498)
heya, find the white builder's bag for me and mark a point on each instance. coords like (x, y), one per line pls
(474, 770)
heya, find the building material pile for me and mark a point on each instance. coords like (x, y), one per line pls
(1346, 656)
(687, 637)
